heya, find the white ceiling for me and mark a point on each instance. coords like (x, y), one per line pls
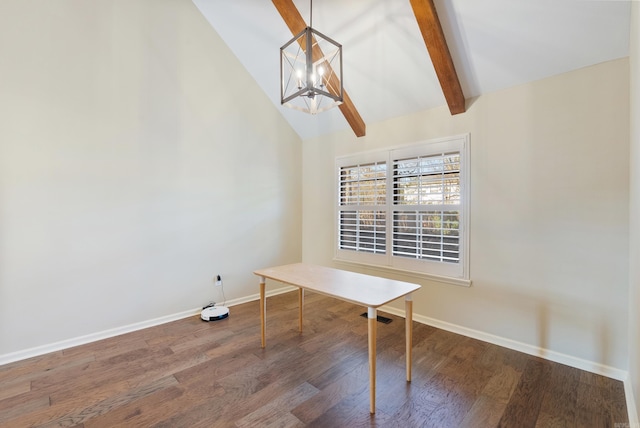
(495, 44)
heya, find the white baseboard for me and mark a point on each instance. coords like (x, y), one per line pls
(547, 354)
(475, 334)
(256, 296)
(82, 340)
(558, 357)
(69, 343)
(634, 420)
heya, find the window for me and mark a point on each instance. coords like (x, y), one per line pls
(406, 208)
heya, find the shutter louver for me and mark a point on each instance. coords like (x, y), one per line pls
(406, 208)
(361, 216)
(426, 207)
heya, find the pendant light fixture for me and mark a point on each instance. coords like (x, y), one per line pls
(311, 71)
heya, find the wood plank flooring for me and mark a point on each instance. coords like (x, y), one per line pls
(191, 373)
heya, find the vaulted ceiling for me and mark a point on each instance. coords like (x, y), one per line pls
(388, 72)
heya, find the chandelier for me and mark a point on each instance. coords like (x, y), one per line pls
(311, 71)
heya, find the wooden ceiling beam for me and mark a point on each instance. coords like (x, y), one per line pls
(296, 24)
(431, 29)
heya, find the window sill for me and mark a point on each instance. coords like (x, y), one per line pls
(420, 275)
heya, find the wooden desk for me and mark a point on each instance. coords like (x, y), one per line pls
(366, 290)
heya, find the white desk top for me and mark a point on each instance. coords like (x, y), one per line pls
(367, 290)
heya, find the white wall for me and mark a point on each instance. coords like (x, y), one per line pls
(138, 159)
(549, 211)
(634, 257)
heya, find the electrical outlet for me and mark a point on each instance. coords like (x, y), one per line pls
(218, 281)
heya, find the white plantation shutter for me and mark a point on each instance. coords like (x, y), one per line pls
(406, 208)
(426, 207)
(362, 213)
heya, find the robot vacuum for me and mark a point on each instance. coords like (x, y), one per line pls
(214, 313)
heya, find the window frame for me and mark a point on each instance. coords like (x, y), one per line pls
(456, 273)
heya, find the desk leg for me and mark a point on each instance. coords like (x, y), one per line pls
(263, 311)
(300, 307)
(372, 315)
(408, 329)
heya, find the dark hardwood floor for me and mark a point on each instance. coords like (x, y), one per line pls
(190, 373)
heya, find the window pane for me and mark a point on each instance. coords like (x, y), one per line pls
(362, 231)
(363, 184)
(429, 180)
(429, 235)
(427, 229)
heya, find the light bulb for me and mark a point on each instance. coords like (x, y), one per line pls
(299, 78)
